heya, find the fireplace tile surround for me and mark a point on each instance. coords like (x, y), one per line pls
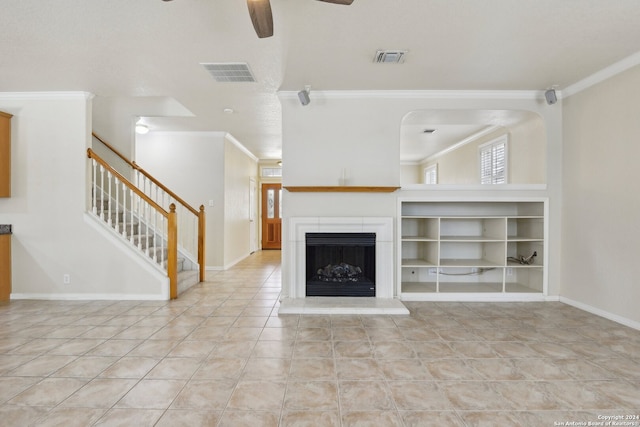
(294, 299)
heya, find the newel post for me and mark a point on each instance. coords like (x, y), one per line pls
(172, 247)
(201, 237)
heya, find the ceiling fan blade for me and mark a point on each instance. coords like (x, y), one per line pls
(345, 2)
(260, 12)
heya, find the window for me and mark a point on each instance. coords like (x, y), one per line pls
(271, 172)
(431, 174)
(493, 161)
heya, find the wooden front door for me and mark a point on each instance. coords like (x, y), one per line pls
(271, 216)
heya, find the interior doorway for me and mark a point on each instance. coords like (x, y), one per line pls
(271, 216)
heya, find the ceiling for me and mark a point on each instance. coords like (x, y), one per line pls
(152, 48)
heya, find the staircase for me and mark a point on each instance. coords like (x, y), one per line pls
(150, 219)
(144, 240)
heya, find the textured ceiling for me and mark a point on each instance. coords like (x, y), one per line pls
(151, 48)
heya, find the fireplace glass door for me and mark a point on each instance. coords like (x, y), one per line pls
(340, 264)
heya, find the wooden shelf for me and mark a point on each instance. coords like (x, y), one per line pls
(340, 189)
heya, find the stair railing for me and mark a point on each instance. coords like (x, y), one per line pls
(190, 222)
(133, 214)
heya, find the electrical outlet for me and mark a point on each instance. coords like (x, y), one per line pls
(66, 279)
(474, 270)
(432, 272)
(509, 271)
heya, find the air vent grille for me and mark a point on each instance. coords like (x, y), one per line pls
(390, 56)
(230, 71)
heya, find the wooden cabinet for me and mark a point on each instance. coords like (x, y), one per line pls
(5, 267)
(478, 249)
(5, 154)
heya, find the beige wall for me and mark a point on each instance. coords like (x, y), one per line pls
(601, 201)
(239, 169)
(526, 150)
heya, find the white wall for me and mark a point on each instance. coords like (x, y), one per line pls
(202, 167)
(51, 233)
(360, 132)
(191, 165)
(601, 203)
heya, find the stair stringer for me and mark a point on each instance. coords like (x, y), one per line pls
(155, 272)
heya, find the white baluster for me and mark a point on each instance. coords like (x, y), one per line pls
(102, 192)
(94, 207)
(124, 210)
(155, 227)
(140, 222)
(148, 222)
(117, 205)
(162, 227)
(132, 207)
(109, 211)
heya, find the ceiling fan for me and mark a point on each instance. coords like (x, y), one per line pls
(260, 12)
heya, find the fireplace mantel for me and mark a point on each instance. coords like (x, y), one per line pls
(339, 189)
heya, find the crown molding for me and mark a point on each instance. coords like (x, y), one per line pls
(418, 94)
(6, 96)
(241, 147)
(602, 75)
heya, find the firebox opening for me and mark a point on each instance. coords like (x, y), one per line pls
(340, 264)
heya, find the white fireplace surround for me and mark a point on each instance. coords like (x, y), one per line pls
(296, 258)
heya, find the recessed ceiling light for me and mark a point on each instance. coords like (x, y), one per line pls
(228, 110)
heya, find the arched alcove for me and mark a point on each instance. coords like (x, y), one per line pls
(450, 141)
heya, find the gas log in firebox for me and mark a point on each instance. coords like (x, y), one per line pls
(340, 264)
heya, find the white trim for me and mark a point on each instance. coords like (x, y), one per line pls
(90, 297)
(241, 147)
(299, 226)
(602, 75)
(602, 313)
(8, 96)
(475, 187)
(477, 296)
(234, 262)
(419, 94)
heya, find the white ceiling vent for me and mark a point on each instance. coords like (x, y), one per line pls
(230, 71)
(390, 56)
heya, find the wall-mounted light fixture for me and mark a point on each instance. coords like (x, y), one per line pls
(141, 128)
(550, 96)
(303, 96)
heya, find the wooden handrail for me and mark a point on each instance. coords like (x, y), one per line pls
(92, 155)
(135, 166)
(172, 223)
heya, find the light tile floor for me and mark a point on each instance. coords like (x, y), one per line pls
(221, 356)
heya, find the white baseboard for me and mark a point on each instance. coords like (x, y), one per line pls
(602, 313)
(90, 297)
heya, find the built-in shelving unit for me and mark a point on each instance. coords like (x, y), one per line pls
(466, 250)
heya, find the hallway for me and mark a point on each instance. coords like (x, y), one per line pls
(221, 356)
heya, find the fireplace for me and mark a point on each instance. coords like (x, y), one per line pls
(340, 264)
